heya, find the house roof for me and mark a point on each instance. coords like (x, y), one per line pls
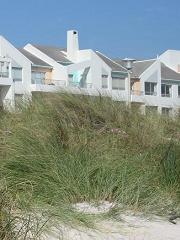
(55, 53)
(111, 63)
(138, 67)
(168, 74)
(35, 60)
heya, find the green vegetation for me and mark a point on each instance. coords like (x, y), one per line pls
(63, 148)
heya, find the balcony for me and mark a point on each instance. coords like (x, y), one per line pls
(166, 95)
(150, 93)
(4, 74)
(47, 85)
(5, 80)
(80, 85)
(137, 96)
(137, 92)
(52, 82)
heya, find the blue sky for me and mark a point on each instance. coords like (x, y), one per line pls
(128, 28)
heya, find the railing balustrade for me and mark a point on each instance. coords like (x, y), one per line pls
(80, 85)
(52, 82)
(4, 74)
(137, 92)
(166, 95)
(151, 93)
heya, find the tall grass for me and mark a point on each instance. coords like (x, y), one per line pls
(66, 148)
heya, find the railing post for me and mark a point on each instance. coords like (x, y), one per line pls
(10, 69)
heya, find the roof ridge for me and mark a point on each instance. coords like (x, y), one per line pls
(146, 60)
(49, 46)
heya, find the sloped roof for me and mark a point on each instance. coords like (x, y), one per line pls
(138, 67)
(55, 53)
(35, 60)
(111, 63)
(168, 74)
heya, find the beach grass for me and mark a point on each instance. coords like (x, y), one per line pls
(62, 149)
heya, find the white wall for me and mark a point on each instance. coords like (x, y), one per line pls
(171, 58)
(8, 50)
(59, 72)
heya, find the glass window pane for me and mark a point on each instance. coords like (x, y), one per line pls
(118, 83)
(38, 77)
(17, 74)
(104, 81)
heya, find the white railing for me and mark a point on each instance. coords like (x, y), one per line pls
(4, 74)
(151, 93)
(79, 85)
(49, 82)
(137, 92)
(166, 95)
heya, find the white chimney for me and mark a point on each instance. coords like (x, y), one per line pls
(72, 45)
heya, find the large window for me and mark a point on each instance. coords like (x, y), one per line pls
(104, 81)
(150, 88)
(38, 77)
(17, 74)
(165, 90)
(118, 83)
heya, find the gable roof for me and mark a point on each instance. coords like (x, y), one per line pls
(111, 63)
(168, 74)
(55, 53)
(35, 60)
(138, 67)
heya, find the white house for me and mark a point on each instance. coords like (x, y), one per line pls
(155, 83)
(74, 69)
(15, 73)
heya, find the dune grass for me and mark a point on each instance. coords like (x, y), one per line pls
(63, 148)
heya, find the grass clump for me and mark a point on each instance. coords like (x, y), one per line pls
(70, 148)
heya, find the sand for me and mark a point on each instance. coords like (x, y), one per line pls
(129, 227)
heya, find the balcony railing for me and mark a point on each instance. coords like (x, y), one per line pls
(4, 74)
(80, 85)
(166, 95)
(136, 92)
(151, 93)
(52, 82)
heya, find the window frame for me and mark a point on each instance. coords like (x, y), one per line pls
(152, 88)
(165, 90)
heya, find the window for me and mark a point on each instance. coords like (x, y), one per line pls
(38, 77)
(4, 69)
(17, 74)
(150, 88)
(178, 90)
(104, 81)
(165, 90)
(118, 83)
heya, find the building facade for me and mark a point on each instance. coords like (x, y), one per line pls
(155, 83)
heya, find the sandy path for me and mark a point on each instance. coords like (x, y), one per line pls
(131, 228)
